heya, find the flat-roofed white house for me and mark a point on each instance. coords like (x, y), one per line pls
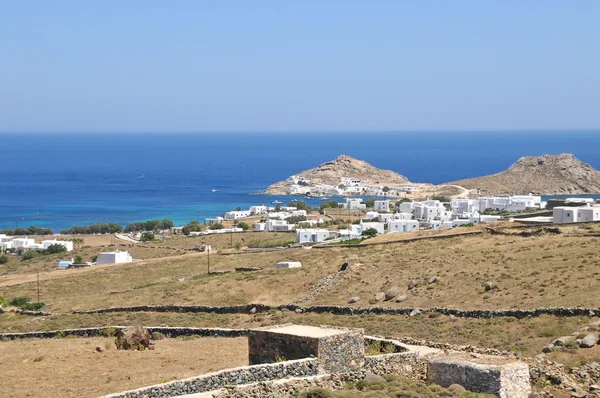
(22, 243)
(311, 235)
(279, 226)
(355, 204)
(67, 244)
(403, 216)
(258, 210)
(371, 215)
(114, 258)
(237, 214)
(590, 213)
(437, 224)
(382, 206)
(403, 226)
(564, 214)
(385, 217)
(378, 226)
(260, 227)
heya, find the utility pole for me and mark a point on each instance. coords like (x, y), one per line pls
(38, 286)
(208, 251)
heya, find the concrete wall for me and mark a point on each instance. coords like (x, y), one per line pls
(266, 347)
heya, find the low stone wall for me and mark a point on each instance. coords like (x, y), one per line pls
(214, 381)
(347, 310)
(408, 240)
(105, 331)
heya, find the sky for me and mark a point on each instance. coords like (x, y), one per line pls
(310, 65)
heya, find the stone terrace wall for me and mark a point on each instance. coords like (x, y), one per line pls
(347, 310)
(217, 380)
(103, 331)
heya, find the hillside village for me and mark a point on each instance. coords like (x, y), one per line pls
(412, 287)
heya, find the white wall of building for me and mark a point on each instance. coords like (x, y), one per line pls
(113, 258)
(379, 226)
(382, 206)
(311, 235)
(403, 226)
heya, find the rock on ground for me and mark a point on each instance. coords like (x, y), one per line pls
(353, 300)
(133, 338)
(588, 341)
(392, 292)
(379, 296)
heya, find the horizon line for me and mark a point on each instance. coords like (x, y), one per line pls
(404, 131)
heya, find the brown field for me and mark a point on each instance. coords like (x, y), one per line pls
(72, 367)
(528, 272)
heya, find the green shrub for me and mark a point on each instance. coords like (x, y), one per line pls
(32, 306)
(55, 248)
(3, 259)
(110, 331)
(147, 237)
(19, 301)
(317, 393)
(28, 255)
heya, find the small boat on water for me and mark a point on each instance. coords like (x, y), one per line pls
(324, 198)
(140, 176)
(214, 190)
(276, 202)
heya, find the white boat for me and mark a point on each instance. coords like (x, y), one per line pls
(276, 202)
(214, 190)
(324, 198)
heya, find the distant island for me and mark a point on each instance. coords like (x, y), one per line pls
(343, 176)
(543, 175)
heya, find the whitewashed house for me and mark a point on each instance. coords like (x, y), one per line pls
(354, 204)
(279, 226)
(258, 210)
(237, 214)
(260, 227)
(299, 213)
(385, 217)
(67, 244)
(564, 214)
(382, 206)
(23, 243)
(378, 226)
(437, 224)
(371, 215)
(589, 213)
(311, 235)
(403, 226)
(402, 216)
(113, 258)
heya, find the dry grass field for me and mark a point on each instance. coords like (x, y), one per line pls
(72, 367)
(528, 272)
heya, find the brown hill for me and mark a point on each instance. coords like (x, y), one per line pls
(329, 173)
(544, 175)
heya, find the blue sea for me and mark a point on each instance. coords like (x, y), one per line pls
(60, 180)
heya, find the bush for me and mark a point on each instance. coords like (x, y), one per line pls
(371, 232)
(157, 336)
(19, 301)
(216, 226)
(78, 260)
(110, 228)
(3, 259)
(28, 255)
(147, 237)
(56, 248)
(192, 226)
(243, 225)
(32, 306)
(317, 393)
(110, 331)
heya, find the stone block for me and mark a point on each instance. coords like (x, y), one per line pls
(289, 264)
(504, 378)
(337, 349)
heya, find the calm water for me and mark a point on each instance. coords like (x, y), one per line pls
(58, 180)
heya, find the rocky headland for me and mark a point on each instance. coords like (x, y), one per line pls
(543, 175)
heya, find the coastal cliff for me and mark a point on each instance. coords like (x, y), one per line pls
(544, 175)
(331, 174)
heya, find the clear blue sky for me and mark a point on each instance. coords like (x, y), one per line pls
(310, 65)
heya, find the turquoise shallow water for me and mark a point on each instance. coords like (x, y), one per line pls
(60, 180)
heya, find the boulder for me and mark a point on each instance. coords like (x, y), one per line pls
(373, 377)
(253, 310)
(549, 348)
(488, 286)
(353, 300)
(457, 388)
(415, 312)
(412, 285)
(345, 266)
(379, 296)
(132, 338)
(588, 341)
(400, 299)
(392, 292)
(562, 341)
(431, 280)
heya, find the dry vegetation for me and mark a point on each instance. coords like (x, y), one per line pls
(73, 368)
(529, 272)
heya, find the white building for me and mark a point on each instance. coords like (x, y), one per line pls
(67, 244)
(403, 226)
(299, 213)
(385, 217)
(260, 227)
(279, 226)
(402, 216)
(211, 221)
(22, 243)
(349, 181)
(566, 214)
(378, 226)
(258, 210)
(382, 206)
(354, 203)
(311, 235)
(371, 215)
(437, 224)
(114, 258)
(235, 215)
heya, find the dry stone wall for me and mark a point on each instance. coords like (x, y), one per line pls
(348, 310)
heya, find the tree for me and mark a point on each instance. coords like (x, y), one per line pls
(77, 242)
(78, 260)
(386, 189)
(371, 232)
(370, 203)
(28, 255)
(192, 226)
(329, 204)
(300, 205)
(216, 226)
(55, 248)
(147, 237)
(243, 225)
